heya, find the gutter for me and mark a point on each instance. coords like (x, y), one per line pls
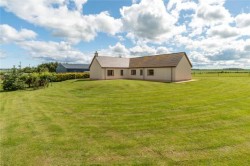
(143, 73)
(105, 73)
(171, 74)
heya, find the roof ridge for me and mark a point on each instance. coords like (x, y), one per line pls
(73, 63)
(113, 57)
(145, 55)
(158, 55)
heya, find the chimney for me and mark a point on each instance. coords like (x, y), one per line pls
(96, 54)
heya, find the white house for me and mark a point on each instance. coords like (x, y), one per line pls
(165, 67)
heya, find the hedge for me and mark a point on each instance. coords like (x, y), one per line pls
(68, 76)
(17, 80)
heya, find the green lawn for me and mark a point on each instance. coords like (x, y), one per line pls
(125, 122)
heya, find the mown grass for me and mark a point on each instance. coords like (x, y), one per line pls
(128, 122)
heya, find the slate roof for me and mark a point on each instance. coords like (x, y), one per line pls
(115, 62)
(75, 66)
(163, 60)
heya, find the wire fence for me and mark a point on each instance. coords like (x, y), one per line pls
(223, 73)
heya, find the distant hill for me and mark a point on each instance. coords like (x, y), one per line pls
(233, 69)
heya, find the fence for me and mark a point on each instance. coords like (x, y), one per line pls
(204, 73)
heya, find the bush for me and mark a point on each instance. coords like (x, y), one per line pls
(17, 79)
(45, 78)
(67, 76)
(36, 80)
(12, 81)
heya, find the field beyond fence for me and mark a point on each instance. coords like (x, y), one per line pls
(221, 73)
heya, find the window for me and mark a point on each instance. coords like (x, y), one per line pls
(133, 72)
(121, 72)
(110, 73)
(150, 72)
(141, 72)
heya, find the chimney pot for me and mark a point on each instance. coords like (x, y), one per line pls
(96, 54)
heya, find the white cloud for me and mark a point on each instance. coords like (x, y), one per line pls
(119, 49)
(181, 5)
(197, 57)
(120, 37)
(79, 4)
(223, 31)
(247, 46)
(139, 50)
(175, 7)
(243, 23)
(149, 21)
(163, 50)
(142, 50)
(213, 2)
(64, 21)
(223, 59)
(205, 29)
(221, 51)
(54, 51)
(207, 14)
(212, 13)
(10, 34)
(46, 51)
(214, 38)
(243, 20)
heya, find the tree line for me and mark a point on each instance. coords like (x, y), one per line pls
(45, 67)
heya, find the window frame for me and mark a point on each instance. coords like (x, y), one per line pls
(133, 72)
(149, 72)
(110, 74)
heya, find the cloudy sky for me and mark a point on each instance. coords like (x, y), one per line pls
(214, 33)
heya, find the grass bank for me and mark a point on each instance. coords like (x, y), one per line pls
(127, 122)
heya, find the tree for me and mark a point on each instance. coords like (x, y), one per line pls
(28, 69)
(50, 67)
(13, 81)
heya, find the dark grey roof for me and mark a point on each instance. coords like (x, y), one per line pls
(117, 62)
(75, 66)
(163, 60)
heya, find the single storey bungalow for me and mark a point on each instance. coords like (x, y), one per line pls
(165, 67)
(64, 67)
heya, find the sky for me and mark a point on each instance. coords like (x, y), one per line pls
(213, 33)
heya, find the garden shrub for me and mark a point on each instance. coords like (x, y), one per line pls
(12, 81)
(17, 79)
(67, 76)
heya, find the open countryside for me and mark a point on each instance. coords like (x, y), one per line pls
(125, 82)
(129, 122)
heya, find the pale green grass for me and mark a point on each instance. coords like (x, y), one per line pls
(125, 122)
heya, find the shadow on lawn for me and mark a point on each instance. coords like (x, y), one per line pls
(80, 80)
(26, 89)
(87, 79)
(39, 88)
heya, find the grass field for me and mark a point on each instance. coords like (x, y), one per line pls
(125, 122)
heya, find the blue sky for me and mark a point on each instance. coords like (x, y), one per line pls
(215, 34)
